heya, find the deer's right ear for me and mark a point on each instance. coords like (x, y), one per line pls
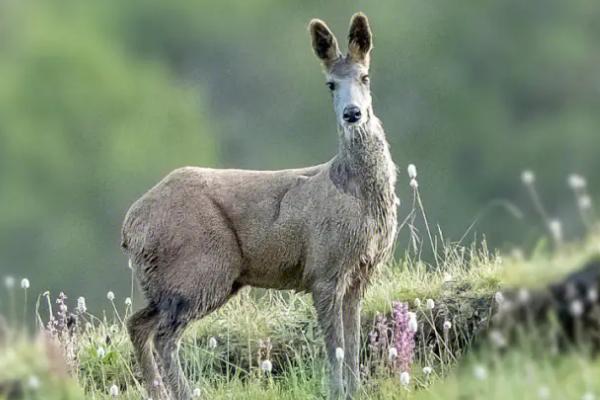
(324, 43)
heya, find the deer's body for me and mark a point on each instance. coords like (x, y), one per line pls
(201, 234)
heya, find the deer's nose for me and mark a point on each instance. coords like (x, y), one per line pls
(351, 114)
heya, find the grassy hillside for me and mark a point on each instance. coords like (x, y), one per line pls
(225, 353)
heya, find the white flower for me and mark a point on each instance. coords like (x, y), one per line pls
(212, 343)
(413, 325)
(447, 277)
(81, 306)
(417, 303)
(114, 391)
(33, 382)
(427, 370)
(576, 182)
(592, 295)
(497, 339)
(576, 308)
(527, 177)
(499, 297)
(130, 264)
(447, 325)
(266, 366)
(585, 202)
(392, 353)
(100, 352)
(9, 282)
(555, 227)
(412, 171)
(405, 378)
(543, 393)
(523, 296)
(480, 372)
(588, 396)
(430, 304)
(25, 283)
(414, 184)
(196, 393)
(339, 354)
(128, 301)
(110, 296)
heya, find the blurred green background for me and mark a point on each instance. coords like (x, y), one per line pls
(100, 99)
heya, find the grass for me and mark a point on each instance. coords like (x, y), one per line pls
(98, 354)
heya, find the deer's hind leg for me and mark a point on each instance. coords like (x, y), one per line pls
(140, 327)
(196, 285)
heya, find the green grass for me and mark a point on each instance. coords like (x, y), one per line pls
(99, 354)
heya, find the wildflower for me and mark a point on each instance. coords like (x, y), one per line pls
(576, 182)
(404, 326)
(413, 325)
(33, 382)
(128, 301)
(267, 366)
(528, 177)
(555, 227)
(447, 277)
(114, 391)
(212, 343)
(130, 264)
(480, 372)
(110, 296)
(543, 393)
(447, 325)
(576, 308)
(25, 283)
(392, 353)
(9, 282)
(81, 306)
(405, 378)
(497, 339)
(584, 202)
(412, 171)
(196, 393)
(339, 354)
(427, 370)
(430, 304)
(499, 297)
(414, 184)
(523, 296)
(100, 352)
(417, 303)
(588, 396)
(156, 383)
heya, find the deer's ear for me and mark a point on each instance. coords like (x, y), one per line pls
(324, 43)
(360, 39)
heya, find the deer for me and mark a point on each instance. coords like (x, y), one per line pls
(201, 234)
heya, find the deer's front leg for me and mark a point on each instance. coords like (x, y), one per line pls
(328, 303)
(351, 315)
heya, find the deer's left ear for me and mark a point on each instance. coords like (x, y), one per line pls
(360, 39)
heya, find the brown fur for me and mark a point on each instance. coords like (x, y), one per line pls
(201, 234)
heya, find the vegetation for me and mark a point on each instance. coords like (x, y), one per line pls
(225, 353)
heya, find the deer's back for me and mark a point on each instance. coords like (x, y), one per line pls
(274, 216)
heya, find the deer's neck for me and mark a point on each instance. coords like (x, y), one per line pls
(364, 165)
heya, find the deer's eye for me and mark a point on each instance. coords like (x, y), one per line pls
(365, 79)
(331, 85)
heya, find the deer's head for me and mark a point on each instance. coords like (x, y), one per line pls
(347, 76)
